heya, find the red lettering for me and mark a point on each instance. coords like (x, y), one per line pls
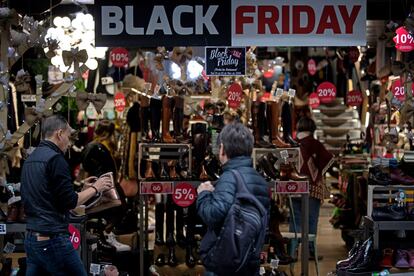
(349, 20)
(328, 21)
(285, 19)
(269, 21)
(296, 26)
(241, 19)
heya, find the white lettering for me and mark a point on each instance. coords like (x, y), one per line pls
(177, 20)
(205, 20)
(115, 19)
(159, 21)
(129, 22)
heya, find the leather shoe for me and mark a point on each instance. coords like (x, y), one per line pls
(389, 213)
(398, 176)
(377, 177)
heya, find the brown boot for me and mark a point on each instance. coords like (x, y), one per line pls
(272, 114)
(12, 212)
(173, 172)
(149, 173)
(203, 174)
(258, 116)
(22, 215)
(289, 172)
(166, 118)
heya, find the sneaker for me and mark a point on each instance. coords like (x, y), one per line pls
(110, 238)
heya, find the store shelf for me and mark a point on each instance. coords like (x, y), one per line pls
(388, 189)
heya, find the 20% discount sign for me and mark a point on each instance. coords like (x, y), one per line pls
(184, 194)
(326, 92)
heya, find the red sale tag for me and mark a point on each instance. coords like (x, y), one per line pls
(150, 188)
(311, 67)
(398, 90)
(119, 101)
(75, 237)
(313, 100)
(326, 92)
(354, 98)
(184, 194)
(404, 41)
(292, 187)
(234, 95)
(119, 57)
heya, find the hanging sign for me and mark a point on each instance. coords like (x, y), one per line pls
(225, 61)
(354, 98)
(313, 100)
(234, 95)
(404, 41)
(119, 57)
(311, 67)
(398, 90)
(119, 101)
(184, 194)
(75, 237)
(326, 92)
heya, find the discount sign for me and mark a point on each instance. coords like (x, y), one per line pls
(398, 90)
(312, 67)
(313, 100)
(234, 95)
(119, 101)
(74, 236)
(354, 98)
(326, 92)
(404, 41)
(119, 57)
(184, 194)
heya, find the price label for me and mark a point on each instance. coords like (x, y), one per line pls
(184, 194)
(95, 269)
(404, 41)
(119, 101)
(75, 237)
(291, 92)
(311, 67)
(119, 57)
(9, 248)
(279, 92)
(313, 100)
(234, 95)
(284, 154)
(326, 92)
(292, 187)
(398, 90)
(28, 98)
(354, 98)
(150, 188)
(3, 229)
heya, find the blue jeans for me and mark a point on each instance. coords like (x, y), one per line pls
(55, 256)
(314, 207)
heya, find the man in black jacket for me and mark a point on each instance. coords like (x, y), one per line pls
(48, 195)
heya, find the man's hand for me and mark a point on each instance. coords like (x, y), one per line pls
(90, 180)
(103, 184)
(205, 186)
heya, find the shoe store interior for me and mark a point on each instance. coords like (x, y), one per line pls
(150, 116)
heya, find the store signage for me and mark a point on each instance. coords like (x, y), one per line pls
(184, 194)
(225, 61)
(398, 90)
(404, 41)
(119, 57)
(75, 237)
(354, 98)
(311, 67)
(119, 101)
(326, 92)
(313, 100)
(234, 95)
(230, 23)
(151, 188)
(292, 187)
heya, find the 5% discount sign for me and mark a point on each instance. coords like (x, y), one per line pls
(184, 194)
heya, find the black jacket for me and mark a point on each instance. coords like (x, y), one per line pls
(47, 190)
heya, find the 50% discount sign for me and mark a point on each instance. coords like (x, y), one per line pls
(184, 194)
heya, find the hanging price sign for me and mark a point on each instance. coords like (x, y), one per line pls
(326, 92)
(119, 101)
(292, 187)
(313, 100)
(354, 98)
(184, 194)
(311, 67)
(150, 188)
(75, 237)
(234, 95)
(119, 57)
(398, 90)
(404, 41)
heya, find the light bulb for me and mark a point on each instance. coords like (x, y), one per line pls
(58, 21)
(91, 63)
(56, 60)
(88, 22)
(194, 69)
(65, 22)
(100, 52)
(176, 71)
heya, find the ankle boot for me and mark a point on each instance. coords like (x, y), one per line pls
(166, 118)
(272, 116)
(287, 125)
(258, 116)
(159, 223)
(268, 168)
(179, 227)
(172, 259)
(289, 172)
(170, 241)
(149, 173)
(355, 257)
(203, 174)
(155, 109)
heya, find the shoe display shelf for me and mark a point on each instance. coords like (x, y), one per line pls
(292, 155)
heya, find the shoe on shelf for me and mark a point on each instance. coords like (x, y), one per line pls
(402, 259)
(411, 257)
(387, 255)
(120, 247)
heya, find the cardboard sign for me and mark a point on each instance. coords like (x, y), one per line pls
(225, 61)
(234, 95)
(326, 92)
(404, 41)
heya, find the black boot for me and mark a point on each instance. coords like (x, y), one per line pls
(190, 260)
(22, 266)
(155, 109)
(159, 224)
(145, 118)
(179, 227)
(258, 121)
(287, 125)
(170, 241)
(172, 259)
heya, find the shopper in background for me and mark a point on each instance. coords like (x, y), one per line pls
(316, 161)
(213, 202)
(48, 195)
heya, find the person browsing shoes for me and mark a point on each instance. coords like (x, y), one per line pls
(48, 196)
